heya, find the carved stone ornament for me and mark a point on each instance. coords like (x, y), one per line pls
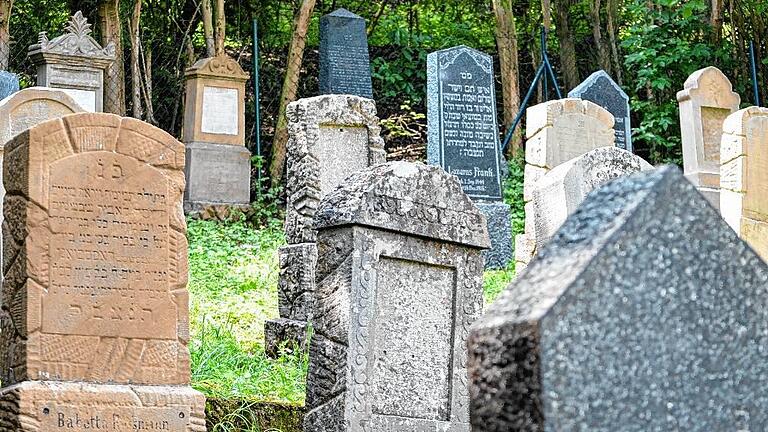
(222, 66)
(76, 42)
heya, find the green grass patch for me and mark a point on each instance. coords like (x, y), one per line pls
(495, 281)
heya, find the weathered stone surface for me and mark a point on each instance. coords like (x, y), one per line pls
(706, 100)
(344, 63)
(601, 89)
(744, 176)
(216, 174)
(74, 62)
(557, 132)
(644, 312)
(399, 279)
(497, 215)
(560, 192)
(285, 336)
(9, 84)
(330, 137)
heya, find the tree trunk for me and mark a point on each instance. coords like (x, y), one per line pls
(6, 6)
(716, 19)
(210, 49)
(114, 79)
(603, 62)
(612, 9)
(290, 86)
(135, 69)
(147, 88)
(221, 31)
(567, 46)
(546, 14)
(506, 41)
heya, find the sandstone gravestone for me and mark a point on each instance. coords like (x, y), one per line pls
(744, 176)
(620, 324)
(399, 281)
(9, 84)
(218, 168)
(95, 316)
(557, 131)
(464, 138)
(705, 102)
(330, 137)
(602, 90)
(74, 62)
(560, 192)
(344, 63)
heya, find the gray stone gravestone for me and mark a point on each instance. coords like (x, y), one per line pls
(602, 90)
(645, 312)
(344, 63)
(9, 84)
(463, 136)
(399, 281)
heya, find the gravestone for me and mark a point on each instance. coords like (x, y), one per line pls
(557, 131)
(94, 323)
(74, 62)
(329, 138)
(707, 99)
(620, 324)
(463, 137)
(560, 192)
(218, 168)
(744, 176)
(399, 278)
(344, 63)
(602, 90)
(9, 84)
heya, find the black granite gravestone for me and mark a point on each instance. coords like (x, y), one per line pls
(344, 64)
(602, 90)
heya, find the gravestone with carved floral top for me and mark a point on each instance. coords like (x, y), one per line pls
(399, 281)
(74, 62)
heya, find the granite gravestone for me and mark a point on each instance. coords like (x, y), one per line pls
(560, 192)
(744, 176)
(463, 136)
(399, 278)
(344, 63)
(74, 62)
(329, 138)
(9, 84)
(619, 324)
(94, 316)
(602, 90)
(707, 99)
(557, 132)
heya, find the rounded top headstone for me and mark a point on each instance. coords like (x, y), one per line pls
(713, 86)
(406, 197)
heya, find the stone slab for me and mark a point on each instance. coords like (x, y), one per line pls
(9, 84)
(601, 89)
(344, 62)
(284, 335)
(619, 324)
(217, 174)
(497, 216)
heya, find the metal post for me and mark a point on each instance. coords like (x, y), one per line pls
(528, 95)
(755, 88)
(256, 97)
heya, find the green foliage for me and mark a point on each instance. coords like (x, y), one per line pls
(495, 281)
(266, 206)
(405, 123)
(513, 193)
(400, 78)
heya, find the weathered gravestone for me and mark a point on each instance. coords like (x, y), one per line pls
(344, 63)
(744, 176)
(399, 282)
(75, 63)
(557, 131)
(95, 316)
(330, 137)
(705, 102)
(464, 138)
(218, 168)
(602, 90)
(9, 84)
(645, 312)
(560, 192)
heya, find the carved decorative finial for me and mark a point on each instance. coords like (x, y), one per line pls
(79, 25)
(76, 41)
(42, 39)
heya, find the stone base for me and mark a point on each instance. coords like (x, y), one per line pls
(284, 334)
(712, 195)
(217, 174)
(500, 231)
(47, 406)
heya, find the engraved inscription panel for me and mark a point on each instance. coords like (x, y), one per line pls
(220, 106)
(113, 418)
(85, 98)
(576, 134)
(34, 112)
(341, 151)
(109, 249)
(414, 338)
(350, 70)
(712, 120)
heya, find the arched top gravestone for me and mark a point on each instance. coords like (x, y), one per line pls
(31, 106)
(601, 89)
(399, 281)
